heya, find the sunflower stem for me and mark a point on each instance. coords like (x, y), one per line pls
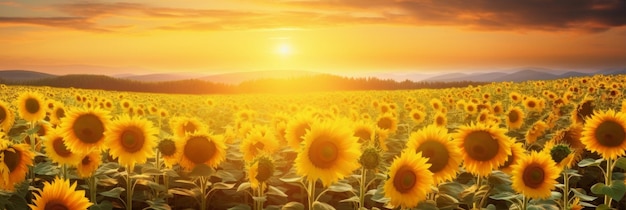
(64, 171)
(129, 190)
(478, 184)
(311, 192)
(524, 202)
(92, 188)
(362, 188)
(565, 190)
(608, 179)
(203, 192)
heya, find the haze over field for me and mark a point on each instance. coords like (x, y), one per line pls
(346, 37)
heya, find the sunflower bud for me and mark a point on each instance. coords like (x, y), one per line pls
(370, 159)
(560, 152)
(265, 169)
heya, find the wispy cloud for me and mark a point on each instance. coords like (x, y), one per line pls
(554, 15)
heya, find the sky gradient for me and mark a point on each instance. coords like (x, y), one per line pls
(334, 36)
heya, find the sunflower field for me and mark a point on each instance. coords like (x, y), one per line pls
(558, 144)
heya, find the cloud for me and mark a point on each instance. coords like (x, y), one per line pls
(548, 15)
(77, 23)
(544, 15)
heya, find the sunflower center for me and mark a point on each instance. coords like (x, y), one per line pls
(439, 120)
(60, 113)
(60, 148)
(404, 179)
(88, 128)
(167, 147)
(533, 176)
(417, 116)
(199, 149)
(86, 160)
(531, 104)
(481, 146)
(3, 114)
(259, 145)
(265, 170)
(301, 130)
(323, 152)
(132, 139)
(32, 105)
(610, 134)
(363, 135)
(437, 154)
(385, 123)
(11, 159)
(189, 127)
(585, 110)
(55, 205)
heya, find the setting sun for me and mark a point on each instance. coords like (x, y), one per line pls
(284, 49)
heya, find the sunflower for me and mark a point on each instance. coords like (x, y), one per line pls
(329, 153)
(88, 164)
(434, 143)
(417, 116)
(131, 139)
(436, 104)
(571, 136)
(364, 131)
(535, 175)
(200, 148)
(533, 104)
(605, 133)
(515, 118)
(258, 141)
(7, 118)
(260, 171)
(31, 106)
(387, 122)
(17, 158)
(297, 128)
(57, 113)
(371, 158)
(60, 194)
(497, 109)
(54, 146)
(583, 111)
(517, 151)
(562, 154)
(84, 129)
(483, 116)
(182, 126)
(167, 148)
(470, 108)
(409, 180)
(440, 119)
(535, 131)
(483, 148)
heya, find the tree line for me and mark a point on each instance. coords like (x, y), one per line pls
(321, 82)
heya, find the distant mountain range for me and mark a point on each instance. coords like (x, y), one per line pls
(239, 77)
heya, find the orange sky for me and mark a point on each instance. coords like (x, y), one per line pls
(340, 36)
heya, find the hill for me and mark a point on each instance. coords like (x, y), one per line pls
(23, 75)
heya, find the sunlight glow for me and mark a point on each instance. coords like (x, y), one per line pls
(284, 49)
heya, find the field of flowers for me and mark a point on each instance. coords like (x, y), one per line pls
(535, 145)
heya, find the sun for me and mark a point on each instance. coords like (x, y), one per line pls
(284, 49)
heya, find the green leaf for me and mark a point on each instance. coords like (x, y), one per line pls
(158, 204)
(354, 199)
(271, 190)
(46, 168)
(583, 196)
(243, 186)
(225, 176)
(183, 192)
(291, 178)
(603, 207)
(223, 186)
(447, 201)
(113, 193)
(616, 190)
(491, 207)
(589, 162)
(104, 205)
(451, 188)
(621, 163)
(507, 196)
(427, 205)
(340, 187)
(201, 170)
(240, 207)
(259, 199)
(293, 206)
(322, 206)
